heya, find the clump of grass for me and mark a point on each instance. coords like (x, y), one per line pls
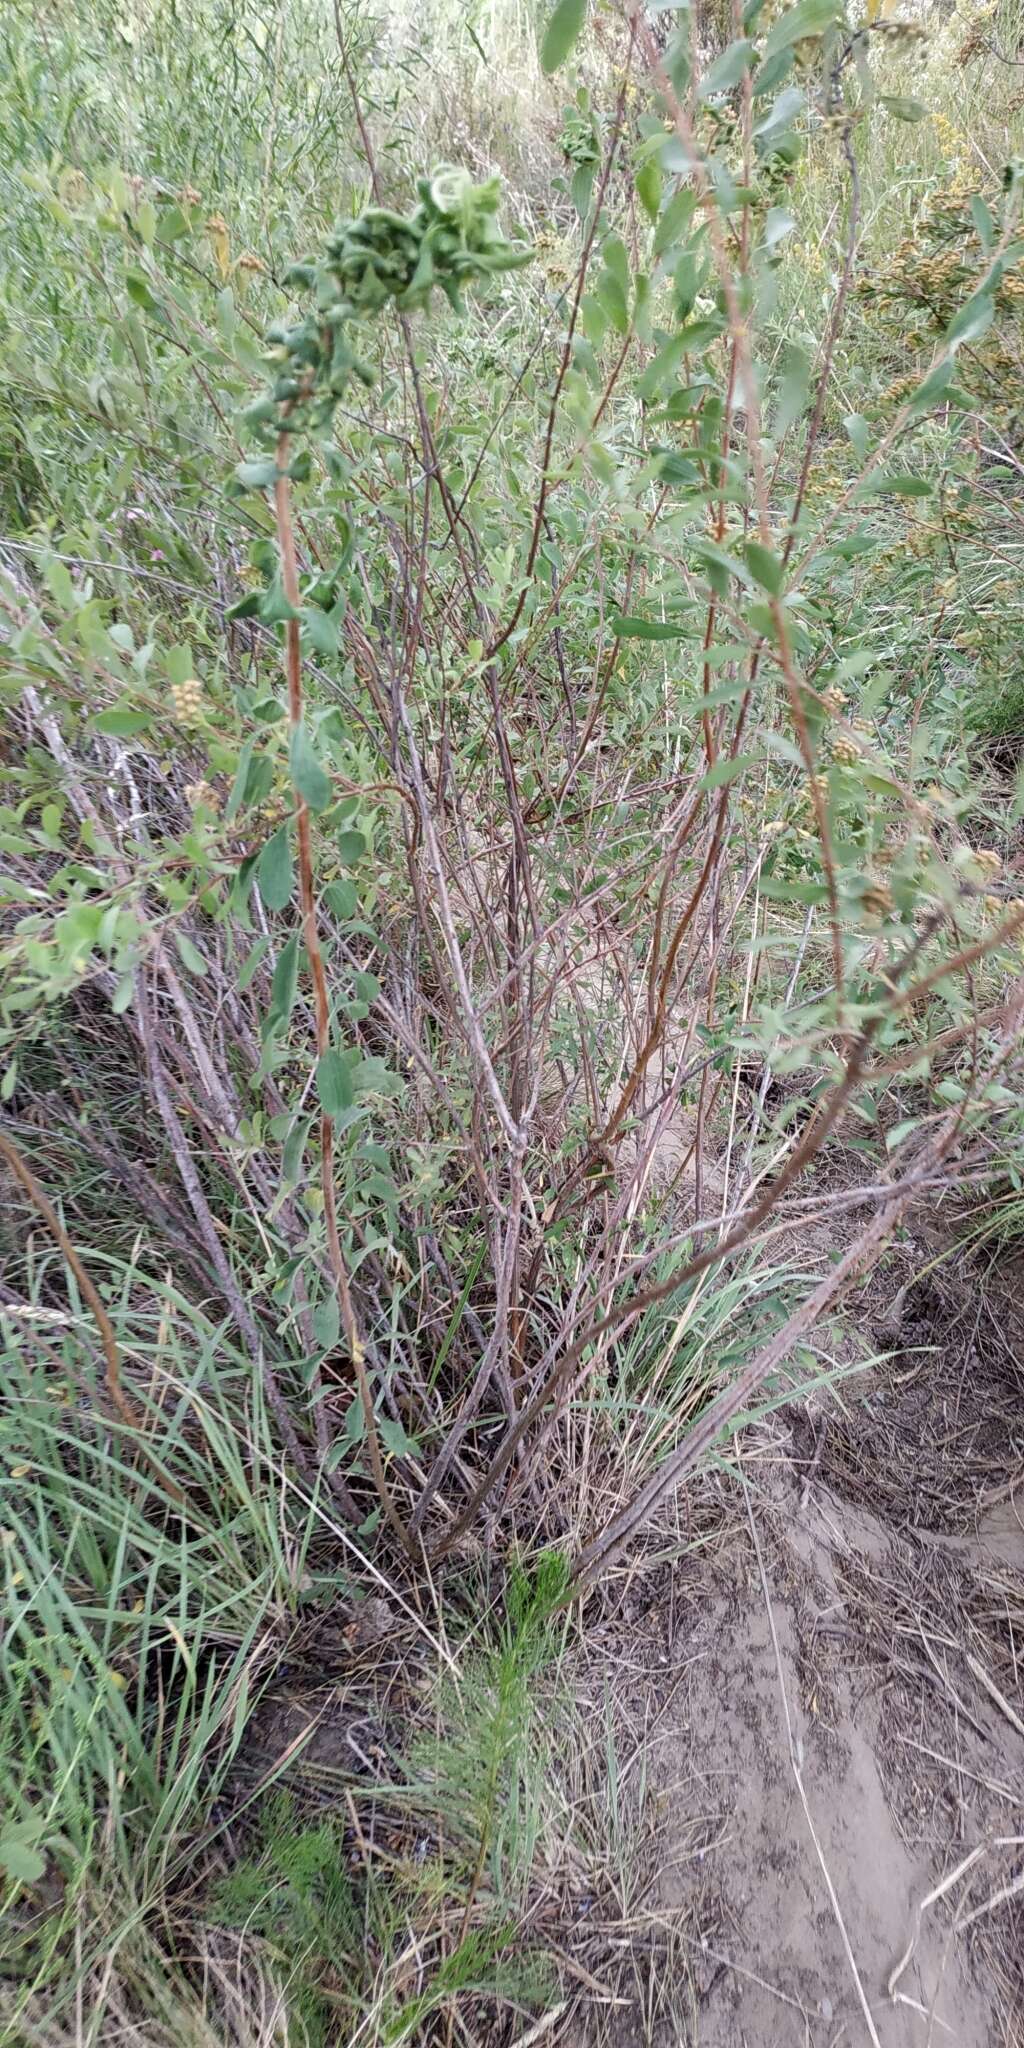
(333, 1946)
(293, 1891)
(334, 1917)
(996, 713)
(134, 1638)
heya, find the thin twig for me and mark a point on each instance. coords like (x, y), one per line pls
(311, 940)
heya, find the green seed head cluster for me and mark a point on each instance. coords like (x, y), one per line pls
(579, 139)
(449, 240)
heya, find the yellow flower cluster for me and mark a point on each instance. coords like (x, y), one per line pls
(912, 273)
(827, 482)
(948, 136)
(943, 268)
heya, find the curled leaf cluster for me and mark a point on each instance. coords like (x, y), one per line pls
(579, 140)
(450, 239)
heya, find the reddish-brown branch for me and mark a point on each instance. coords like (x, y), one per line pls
(321, 1006)
(563, 367)
(751, 403)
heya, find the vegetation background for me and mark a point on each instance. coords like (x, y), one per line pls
(509, 867)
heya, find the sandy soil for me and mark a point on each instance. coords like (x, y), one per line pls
(834, 1703)
(816, 1884)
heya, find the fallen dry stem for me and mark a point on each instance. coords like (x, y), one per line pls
(132, 1417)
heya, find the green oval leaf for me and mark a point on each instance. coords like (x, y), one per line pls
(612, 299)
(726, 770)
(257, 476)
(273, 606)
(901, 108)
(727, 70)
(892, 483)
(973, 319)
(395, 1438)
(810, 18)
(562, 34)
(190, 955)
(121, 722)
(334, 1083)
(320, 629)
(274, 870)
(285, 980)
(340, 897)
(351, 846)
(662, 366)
(373, 1076)
(764, 566)
(646, 629)
(648, 188)
(20, 1860)
(326, 1323)
(306, 772)
(138, 289)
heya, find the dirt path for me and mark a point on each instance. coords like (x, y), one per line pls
(815, 1883)
(836, 1707)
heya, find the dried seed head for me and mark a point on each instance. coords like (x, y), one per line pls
(200, 796)
(987, 860)
(845, 750)
(974, 42)
(900, 31)
(877, 899)
(187, 699)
